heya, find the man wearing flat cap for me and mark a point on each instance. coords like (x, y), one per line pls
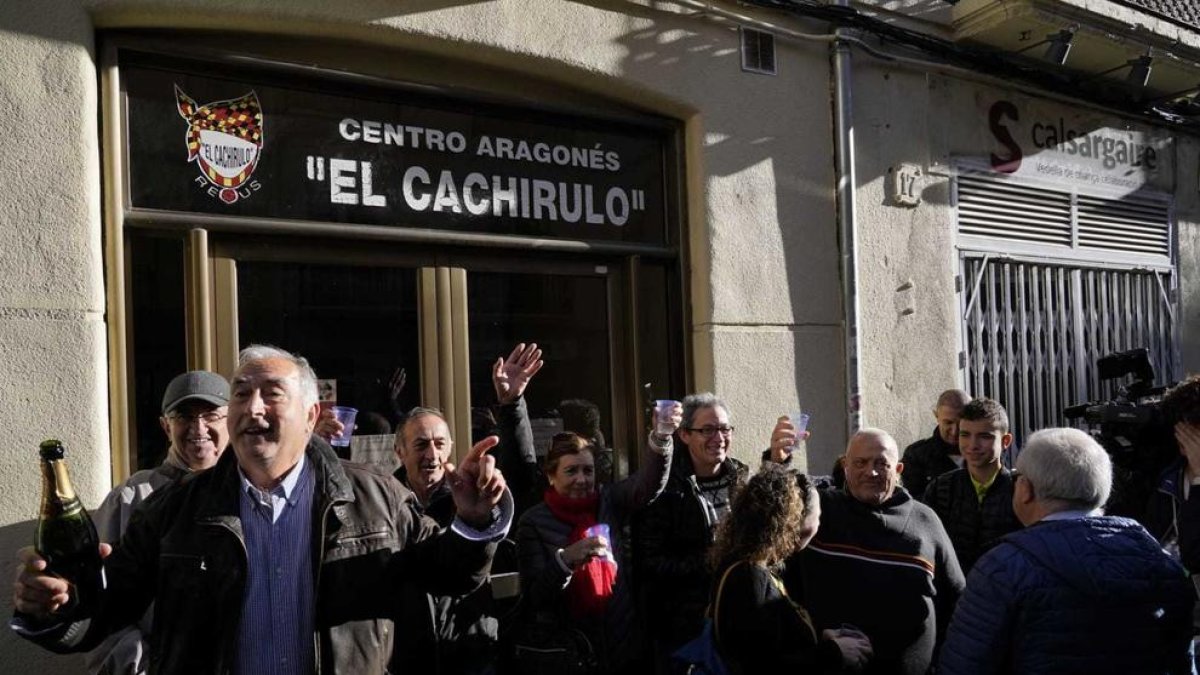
(194, 409)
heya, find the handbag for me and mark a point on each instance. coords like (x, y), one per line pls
(702, 656)
(539, 648)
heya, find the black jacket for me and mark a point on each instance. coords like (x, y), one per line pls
(184, 550)
(456, 634)
(925, 460)
(973, 527)
(673, 536)
(760, 629)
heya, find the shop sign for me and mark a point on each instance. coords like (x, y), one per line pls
(204, 140)
(1035, 139)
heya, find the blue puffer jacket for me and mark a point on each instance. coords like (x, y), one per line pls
(1088, 595)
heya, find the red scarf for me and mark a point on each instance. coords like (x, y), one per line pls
(592, 583)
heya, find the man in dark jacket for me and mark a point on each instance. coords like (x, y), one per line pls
(280, 559)
(450, 633)
(1075, 591)
(975, 502)
(881, 562)
(674, 533)
(931, 457)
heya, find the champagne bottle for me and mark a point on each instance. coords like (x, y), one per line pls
(66, 536)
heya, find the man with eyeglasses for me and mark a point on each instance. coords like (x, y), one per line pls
(675, 532)
(194, 412)
(881, 562)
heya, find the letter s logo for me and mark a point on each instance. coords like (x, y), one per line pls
(996, 115)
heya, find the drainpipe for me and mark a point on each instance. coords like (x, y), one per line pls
(843, 120)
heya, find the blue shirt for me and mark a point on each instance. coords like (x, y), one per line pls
(275, 636)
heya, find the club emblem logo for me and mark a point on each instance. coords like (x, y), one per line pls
(225, 139)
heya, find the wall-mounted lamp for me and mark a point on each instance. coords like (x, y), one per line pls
(1059, 45)
(1139, 71)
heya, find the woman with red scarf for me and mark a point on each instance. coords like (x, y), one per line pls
(573, 574)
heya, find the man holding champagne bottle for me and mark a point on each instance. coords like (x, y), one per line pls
(195, 411)
(281, 559)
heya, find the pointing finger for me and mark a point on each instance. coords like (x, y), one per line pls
(480, 449)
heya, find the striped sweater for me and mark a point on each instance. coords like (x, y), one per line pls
(889, 571)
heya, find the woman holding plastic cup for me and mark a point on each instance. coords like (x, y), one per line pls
(570, 576)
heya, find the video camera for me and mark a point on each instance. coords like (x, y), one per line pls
(1131, 427)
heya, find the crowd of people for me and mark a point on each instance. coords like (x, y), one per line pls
(958, 555)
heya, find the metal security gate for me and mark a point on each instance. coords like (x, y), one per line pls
(1051, 280)
(1033, 331)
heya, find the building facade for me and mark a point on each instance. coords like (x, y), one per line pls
(685, 195)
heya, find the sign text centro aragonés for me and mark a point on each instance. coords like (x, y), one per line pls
(335, 152)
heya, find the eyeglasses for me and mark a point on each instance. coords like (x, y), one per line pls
(709, 432)
(210, 417)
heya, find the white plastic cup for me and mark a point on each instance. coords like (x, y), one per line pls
(346, 416)
(663, 407)
(799, 420)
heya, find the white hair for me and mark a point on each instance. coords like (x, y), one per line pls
(305, 374)
(1067, 465)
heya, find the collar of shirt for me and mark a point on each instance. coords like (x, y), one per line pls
(981, 489)
(281, 495)
(1074, 514)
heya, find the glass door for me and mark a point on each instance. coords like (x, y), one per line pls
(568, 316)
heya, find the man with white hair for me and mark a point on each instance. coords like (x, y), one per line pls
(1075, 591)
(881, 562)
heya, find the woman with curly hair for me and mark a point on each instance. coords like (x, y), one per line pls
(758, 628)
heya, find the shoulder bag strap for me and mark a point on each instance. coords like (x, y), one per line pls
(716, 606)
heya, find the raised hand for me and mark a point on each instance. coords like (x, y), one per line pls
(1188, 438)
(510, 376)
(669, 418)
(784, 439)
(477, 485)
(396, 389)
(327, 426)
(37, 593)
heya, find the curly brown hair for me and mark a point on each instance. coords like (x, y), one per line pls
(1181, 403)
(766, 522)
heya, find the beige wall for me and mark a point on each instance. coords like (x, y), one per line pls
(763, 246)
(763, 249)
(908, 258)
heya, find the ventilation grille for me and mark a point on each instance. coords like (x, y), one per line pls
(1136, 226)
(1004, 209)
(758, 51)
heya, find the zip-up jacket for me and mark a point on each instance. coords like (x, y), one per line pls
(925, 460)
(673, 536)
(185, 551)
(973, 526)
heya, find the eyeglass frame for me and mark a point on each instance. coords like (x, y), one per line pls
(211, 417)
(709, 432)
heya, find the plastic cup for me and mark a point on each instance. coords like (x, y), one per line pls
(664, 427)
(800, 421)
(601, 530)
(346, 416)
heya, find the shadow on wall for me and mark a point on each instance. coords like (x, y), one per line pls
(748, 144)
(21, 656)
